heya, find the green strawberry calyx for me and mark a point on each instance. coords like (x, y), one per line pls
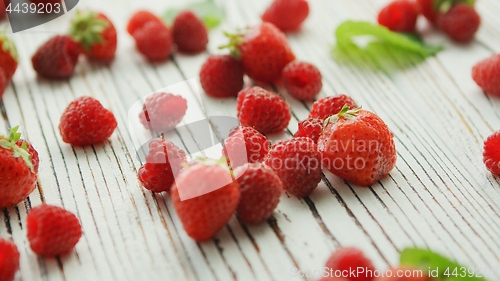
(9, 142)
(234, 41)
(87, 29)
(444, 6)
(8, 45)
(345, 113)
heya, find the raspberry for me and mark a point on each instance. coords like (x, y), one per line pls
(297, 163)
(9, 259)
(287, 15)
(310, 128)
(260, 189)
(163, 162)
(399, 16)
(190, 33)
(57, 58)
(329, 106)
(52, 231)
(139, 19)
(221, 76)
(154, 40)
(86, 122)
(265, 111)
(212, 205)
(487, 75)
(245, 145)
(302, 80)
(162, 112)
(491, 154)
(350, 259)
(460, 23)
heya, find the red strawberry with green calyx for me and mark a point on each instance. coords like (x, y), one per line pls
(432, 8)
(262, 50)
(357, 146)
(96, 34)
(8, 56)
(18, 168)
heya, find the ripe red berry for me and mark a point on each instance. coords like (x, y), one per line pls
(491, 154)
(190, 33)
(245, 145)
(57, 58)
(154, 40)
(85, 121)
(260, 189)
(18, 169)
(287, 15)
(357, 146)
(329, 106)
(426, 7)
(221, 76)
(263, 51)
(139, 19)
(486, 74)
(3, 12)
(265, 111)
(52, 231)
(302, 80)
(399, 16)
(8, 56)
(297, 163)
(350, 259)
(162, 112)
(310, 128)
(3, 82)
(9, 259)
(211, 197)
(96, 34)
(460, 23)
(163, 162)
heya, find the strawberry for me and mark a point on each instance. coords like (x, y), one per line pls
(260, 189)
(245, 145)
(399, 16)
(139, 19)
(302, 80)
(460, 23)
(287, 15)
(265, 111)
(406, 273)
(310, 128)
(162, 112)
(190, 33)
(96, 34)
(163, 162)
(154, 41)
(57, 58)
(205, 197)
(221, 76)
(348, 260)
(8, 56)
(263, 51)
(85, 121)
(9, 259)
(329, 106)
(18, 169)
(297, 163)
(357, 146)
(486, 74)
(52, 231)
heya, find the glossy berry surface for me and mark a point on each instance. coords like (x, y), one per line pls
(85, 121)
(154, 40)
(221, 76)
(460, 23)
(302, 80)
(329, 106)
(56, 58)
(287, 15)
(491, 154)
(486, 74)
(399, 16)
(139, 19)
(52, 231)
(190, 33)
(310, 128)
(9, 260)
(245, 145)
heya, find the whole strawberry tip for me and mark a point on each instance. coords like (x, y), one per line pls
(86, 28)
(9, 142)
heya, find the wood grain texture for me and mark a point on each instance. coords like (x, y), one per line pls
(439, 195)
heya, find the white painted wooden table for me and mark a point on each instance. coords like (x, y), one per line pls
(439, 195)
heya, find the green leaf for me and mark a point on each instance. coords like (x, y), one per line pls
(349, 29)
(208, 11)
(425, 260)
